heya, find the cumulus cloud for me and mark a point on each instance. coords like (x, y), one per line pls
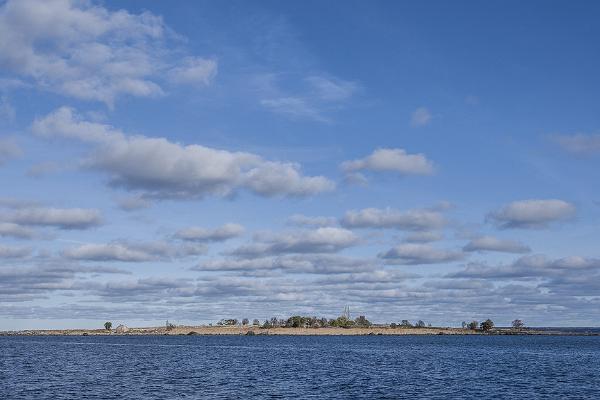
(416, 254)
(532, 213)
(8, 229)
(320, 240)
(14, 252)
(163, 169)
(580, 144)
(220, 234)
(132, 252)
(489, 243)
(9, 149)
(318, 221)
(411, 220)
(61, 218)
(392, 160)
(88, 52)
(420, 117)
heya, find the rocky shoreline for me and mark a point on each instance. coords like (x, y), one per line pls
(252, 331)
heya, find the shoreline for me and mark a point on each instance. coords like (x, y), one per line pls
(255, 331)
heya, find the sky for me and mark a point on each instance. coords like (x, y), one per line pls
(411, 160)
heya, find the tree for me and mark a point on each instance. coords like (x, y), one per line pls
(267, 324)
(245, 321)
(487, 325)
(406, 324)
(393, 325)
(518, 324)
(473, 325)
(362, 321)
(256, 322)
(420, 324)
(108, 325)
(464, 324)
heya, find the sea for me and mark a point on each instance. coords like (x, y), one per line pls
(299, 367)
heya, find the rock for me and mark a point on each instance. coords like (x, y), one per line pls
(250, 333)
(192, 333)
(122, 329)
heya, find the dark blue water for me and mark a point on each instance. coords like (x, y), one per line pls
(292, 367)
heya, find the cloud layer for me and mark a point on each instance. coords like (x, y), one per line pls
(159, 168)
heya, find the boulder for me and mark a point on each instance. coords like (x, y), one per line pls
(122, 329)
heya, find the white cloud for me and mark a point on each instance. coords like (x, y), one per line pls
(579, 143)
(416, 254)
(194, 70)
(9, 149)
(7, 111)
(489, 243)
(132, 252)
(220, 234)
(8, 229)
(299, 263)
(412, 220)
(320, 240)
(424, 237)
(61, 218)
(332, 89)
(294, 107)
(160, 168)
(88, 52)
(303, 220)
(532, 213)
(132, 203)
(317, 96)
(392, 160)
(532, 266)
(420, 117)
(14, 252)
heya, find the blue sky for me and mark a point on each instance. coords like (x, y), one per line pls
(433, 160)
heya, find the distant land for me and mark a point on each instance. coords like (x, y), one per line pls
(328, 331)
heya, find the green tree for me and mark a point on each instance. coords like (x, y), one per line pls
(487, 325)
(420, 324)
(362, 321)
(406, 324)
(473, 325)
(267, 324)
(108, 325)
